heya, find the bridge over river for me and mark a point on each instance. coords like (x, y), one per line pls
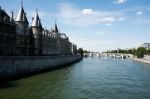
(108, 55)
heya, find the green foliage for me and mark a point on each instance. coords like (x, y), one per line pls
(80, 51)
(130, 51)
(140, 52)
(85, 51)
(113, 51)
(148, 51)
(134, 52)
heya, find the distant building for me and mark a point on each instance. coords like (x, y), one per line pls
(145, 45)
(18, 38)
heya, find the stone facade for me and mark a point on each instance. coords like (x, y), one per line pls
(7, 34)
(17, 38)
(20, 65)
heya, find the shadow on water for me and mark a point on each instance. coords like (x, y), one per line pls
(12, 80)
(8, 84)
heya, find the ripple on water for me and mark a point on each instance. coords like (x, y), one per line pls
(92, 78)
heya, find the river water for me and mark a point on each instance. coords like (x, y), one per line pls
(91, 78)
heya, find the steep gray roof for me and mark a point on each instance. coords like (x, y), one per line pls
(21, 17)
(56, 28)
(20, 14)
(36, 21)
(25, 18)
(40, 25)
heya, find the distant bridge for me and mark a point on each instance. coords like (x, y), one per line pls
(108, 55)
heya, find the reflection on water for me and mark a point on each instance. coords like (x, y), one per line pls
(92, 78)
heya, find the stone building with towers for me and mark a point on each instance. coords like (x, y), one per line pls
(18, 38)
(37, 30)
(7, 34)
(22, 33)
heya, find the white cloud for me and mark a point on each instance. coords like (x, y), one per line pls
(139, 12)
(108, 24)
(87, 11)
(104, 44)
(120, 1)
(108, 19)
(101, 33)
(121, 19)
(83, 39)
(71, 15)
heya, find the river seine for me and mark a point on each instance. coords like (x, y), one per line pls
(91, 78)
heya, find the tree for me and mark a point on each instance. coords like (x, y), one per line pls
(80, 51)
(140, 52)
(85, 51)
(134, 51)
(148, 51)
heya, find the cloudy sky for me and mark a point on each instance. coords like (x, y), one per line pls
(95, 25)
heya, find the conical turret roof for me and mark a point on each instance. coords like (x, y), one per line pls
(40, 25)
(21, 17)
(36, 21)
(56, 28)
(20, 14)
(25, 19)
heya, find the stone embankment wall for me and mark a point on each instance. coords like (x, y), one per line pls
(143, 60)
(12, 66)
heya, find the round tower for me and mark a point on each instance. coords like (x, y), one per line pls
(37, 34)
(22, 33)
(22, 22)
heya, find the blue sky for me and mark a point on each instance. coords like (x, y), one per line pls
(95, 25)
